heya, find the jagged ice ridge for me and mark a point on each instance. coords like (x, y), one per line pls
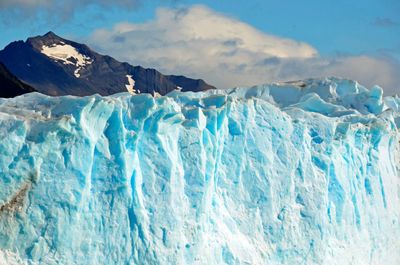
(290, 173)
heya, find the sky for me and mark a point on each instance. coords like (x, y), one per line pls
(227, 43)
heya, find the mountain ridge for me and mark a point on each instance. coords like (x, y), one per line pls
(57, 66)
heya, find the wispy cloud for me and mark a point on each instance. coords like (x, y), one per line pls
(200, 42)
(58, 9)
(384, 22)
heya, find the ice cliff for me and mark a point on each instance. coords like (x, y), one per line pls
(293, 173)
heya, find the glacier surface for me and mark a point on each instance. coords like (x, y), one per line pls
(288, 173)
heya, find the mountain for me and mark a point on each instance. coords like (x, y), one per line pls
(293, 173)
(10, 85)
(56, 66)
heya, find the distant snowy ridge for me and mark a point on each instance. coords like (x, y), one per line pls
(287, 173)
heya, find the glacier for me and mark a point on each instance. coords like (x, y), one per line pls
(303, 172)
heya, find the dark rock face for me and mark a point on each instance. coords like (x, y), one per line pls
(97, 74)
(10, 85)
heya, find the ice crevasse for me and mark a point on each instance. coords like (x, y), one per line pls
(287, 173)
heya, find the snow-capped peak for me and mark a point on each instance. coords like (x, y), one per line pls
(68, 55)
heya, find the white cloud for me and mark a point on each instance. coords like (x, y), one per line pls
(212, 34)
(226, 52)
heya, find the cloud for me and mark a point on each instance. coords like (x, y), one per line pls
(212, 34)
(57, 9)
(384, 22)
(23, 3)
(61, 3)
(226, 52)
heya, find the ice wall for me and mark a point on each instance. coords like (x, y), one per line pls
(293, 173)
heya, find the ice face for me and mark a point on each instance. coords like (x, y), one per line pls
(295, 173)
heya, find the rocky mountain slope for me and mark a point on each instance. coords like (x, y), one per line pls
(56, 66)
(10, 85)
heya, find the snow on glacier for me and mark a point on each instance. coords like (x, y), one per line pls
(287, 173)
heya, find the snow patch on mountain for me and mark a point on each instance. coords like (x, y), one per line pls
(67, 54)
(131, 85)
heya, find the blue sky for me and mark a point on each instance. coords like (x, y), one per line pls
(342, 33)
